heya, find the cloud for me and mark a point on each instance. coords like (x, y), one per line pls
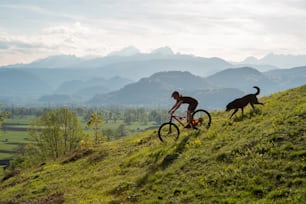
(14, 44)
(11, 42)
(230, 29)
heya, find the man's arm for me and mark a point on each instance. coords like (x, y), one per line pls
(175, 107)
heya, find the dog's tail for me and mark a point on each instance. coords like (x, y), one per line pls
(258, 90)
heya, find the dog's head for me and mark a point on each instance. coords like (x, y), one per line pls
(229, 107)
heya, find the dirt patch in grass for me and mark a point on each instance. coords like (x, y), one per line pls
(10, 175)
(78, 155)
(98, 157)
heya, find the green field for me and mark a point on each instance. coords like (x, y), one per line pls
(13, 135)
(12, 140)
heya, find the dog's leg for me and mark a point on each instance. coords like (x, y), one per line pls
(257, 102)
(234, 112)
(253, 106)
(242, 111)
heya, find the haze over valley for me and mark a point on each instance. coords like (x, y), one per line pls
(131, 78)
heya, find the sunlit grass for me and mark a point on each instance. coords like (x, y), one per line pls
(257, 158)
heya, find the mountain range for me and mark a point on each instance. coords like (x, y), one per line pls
(213, 92)
(128, 77)
(277, 60)
(127, 62)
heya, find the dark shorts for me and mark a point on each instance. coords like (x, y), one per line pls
(192, 106)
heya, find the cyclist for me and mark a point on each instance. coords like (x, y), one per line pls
(192, 105)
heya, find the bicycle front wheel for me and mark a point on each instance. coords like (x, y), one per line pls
(202, 117)
(168, 132)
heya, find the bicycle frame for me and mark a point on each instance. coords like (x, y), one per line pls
(170, 129)
(179, 119)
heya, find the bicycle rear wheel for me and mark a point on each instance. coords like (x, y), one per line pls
(202, 118)
(168, 132)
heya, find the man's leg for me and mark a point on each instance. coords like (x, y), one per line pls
(191, 109)
(189, 119)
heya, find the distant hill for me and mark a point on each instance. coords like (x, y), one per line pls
(242, 78)
(25, 86)
(277, 60)
(76, 77)
(56, 61)
(125, 52)
(259, 158)
(216, 98)
(20, 86)
(115, 79)
(214, 92)
(128, 63)
(152, 91)
(48, 86)
(59, 99)
(92, 86)
(288, 78)
(77, 91)
(136, 69)
(155, 91)
(143, 65)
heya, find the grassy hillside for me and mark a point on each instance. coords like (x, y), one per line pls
(259, 158)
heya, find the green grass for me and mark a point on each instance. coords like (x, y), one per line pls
(14, 136)
(258, 158)
(8, 147)
(20, 119)
(18, 132)
(5, 156)
(10, 141)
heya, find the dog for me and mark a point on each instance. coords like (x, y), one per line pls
(243, 102)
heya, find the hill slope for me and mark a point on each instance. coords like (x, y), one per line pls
(242, 78)
(155, 91)
(259, 158)
(288, 77)
(152, 91)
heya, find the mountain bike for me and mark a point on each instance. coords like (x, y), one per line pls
(168, 131)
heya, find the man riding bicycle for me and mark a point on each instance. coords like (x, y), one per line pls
(193, 103)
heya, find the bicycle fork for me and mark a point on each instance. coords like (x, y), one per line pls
(170, 126)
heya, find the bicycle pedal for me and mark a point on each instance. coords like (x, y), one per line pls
(188, 126)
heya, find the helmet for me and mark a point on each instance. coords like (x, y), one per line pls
(175, 93)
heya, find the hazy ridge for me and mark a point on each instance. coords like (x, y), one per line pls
(131, 78)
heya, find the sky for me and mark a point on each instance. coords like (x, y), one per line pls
(229, 29)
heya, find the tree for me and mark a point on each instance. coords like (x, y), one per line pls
(55, 133)
(3, 115)
(121, 130)
(95, 122)
(158, 116)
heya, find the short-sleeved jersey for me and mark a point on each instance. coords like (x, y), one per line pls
(193, 103)
(187, 99)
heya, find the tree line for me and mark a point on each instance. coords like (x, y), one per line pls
(110, 114)
(56, 132)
